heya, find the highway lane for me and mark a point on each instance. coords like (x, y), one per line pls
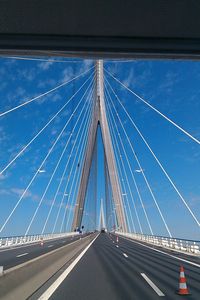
(164, 269)
(119, 273)
(12, 257)
(180, 254)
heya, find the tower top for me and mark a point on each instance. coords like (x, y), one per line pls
(99, 71)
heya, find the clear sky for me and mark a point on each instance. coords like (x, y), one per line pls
(170, 86)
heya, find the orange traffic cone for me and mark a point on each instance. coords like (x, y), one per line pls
(183, 290)
(117, 239)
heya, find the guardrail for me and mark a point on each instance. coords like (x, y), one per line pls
(188, 246)
(29, 239)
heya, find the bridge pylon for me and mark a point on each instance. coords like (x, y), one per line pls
(102, 223)
(100, 118)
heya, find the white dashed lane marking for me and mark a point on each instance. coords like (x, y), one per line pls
(152, 285)
(125, 255)
(21, 254)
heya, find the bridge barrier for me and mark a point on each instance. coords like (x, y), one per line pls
(6, 242)
(188, 246)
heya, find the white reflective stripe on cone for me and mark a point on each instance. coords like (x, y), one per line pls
(182, 285)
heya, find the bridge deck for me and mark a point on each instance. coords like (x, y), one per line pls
(110, 272)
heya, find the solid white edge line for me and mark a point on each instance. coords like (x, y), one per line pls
(154, 287)
(47, 294)
(159, 251)
(22, 254)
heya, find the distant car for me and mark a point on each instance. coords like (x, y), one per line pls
(102, 230)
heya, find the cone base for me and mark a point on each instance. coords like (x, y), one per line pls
(183, 293)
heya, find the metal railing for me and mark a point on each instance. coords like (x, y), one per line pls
(188, 246)
(29, 239)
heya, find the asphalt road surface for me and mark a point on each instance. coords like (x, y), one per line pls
(12, 257)
(127, 270)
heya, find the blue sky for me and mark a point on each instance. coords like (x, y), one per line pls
(170, 86)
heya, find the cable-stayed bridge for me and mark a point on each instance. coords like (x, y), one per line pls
(59, 251)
